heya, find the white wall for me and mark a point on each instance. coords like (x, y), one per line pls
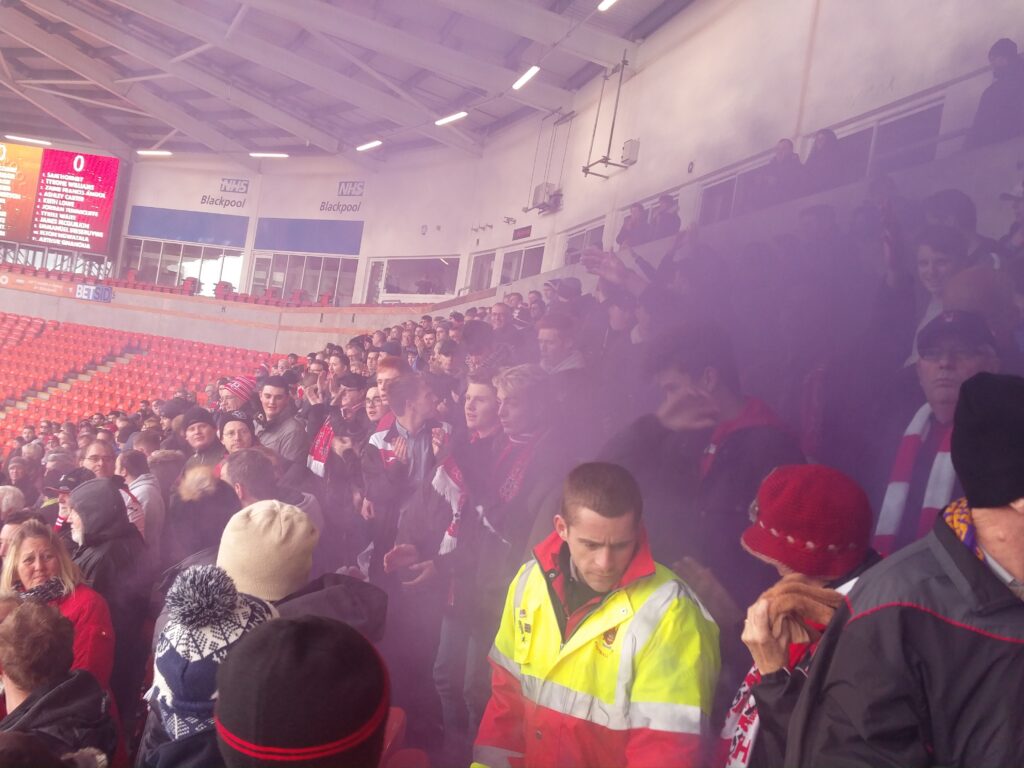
(718, 84)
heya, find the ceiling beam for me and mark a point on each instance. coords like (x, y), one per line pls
(543, 26)
(458, 67)
(190, 73)
(24, 29)
(63, 112)
(299, 68)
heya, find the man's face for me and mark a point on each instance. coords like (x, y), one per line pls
(934, 269)
(513, 300)
(554, 347)
(316, 367)
(77, 528)
(85, 439)
(97, 419)
(371, 362)
(383, 378)
(944, 366)
(426, 323)
(100, 459)
(481, 408)
(601, 548)
(429, 339)
(351, 396)
(500, 314)
(686, 404)
(16, 472)
(337, 366)
(518, 416)
(200, 435)
(229, 401)
(274, 400)
(237, 436)
(45, 428)
(374, 404)
(378, 339)
(28, 434)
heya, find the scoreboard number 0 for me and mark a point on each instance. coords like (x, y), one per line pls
(79, 163)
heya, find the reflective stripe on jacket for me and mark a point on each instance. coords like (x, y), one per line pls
(632, 685)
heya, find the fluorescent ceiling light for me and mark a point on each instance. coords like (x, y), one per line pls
(527, 77)
(606, 4)
(268, 154)
(369, 145)
(27, 140)
(451, 118)
(153, 152)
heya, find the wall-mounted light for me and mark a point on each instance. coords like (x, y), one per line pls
(153, 152)
(369, 145)
(606, 4)
(269, 154)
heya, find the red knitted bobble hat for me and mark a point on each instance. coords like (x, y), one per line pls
(811, 519)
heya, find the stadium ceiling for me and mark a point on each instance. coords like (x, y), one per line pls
(304, 77)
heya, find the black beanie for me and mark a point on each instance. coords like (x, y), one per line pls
(310, 691)
(988, 439)
(197, 415)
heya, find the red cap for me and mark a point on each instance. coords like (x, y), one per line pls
(811, 519)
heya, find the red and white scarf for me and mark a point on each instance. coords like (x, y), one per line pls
(320, 449)
(449, 483)
(937, 493)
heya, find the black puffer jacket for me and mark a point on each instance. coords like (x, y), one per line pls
(922, 666)
(70, 714)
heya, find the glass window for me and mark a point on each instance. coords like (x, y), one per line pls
(191, 263)
(311, 278)
(435, 276)
(483, 271)
(231, 269)
(170, 259)
(716, 201)
(329, 279)
(150, 261)
(131, 255)
(277, 272)
(260, 275)
(346, 282)
(532, 260)
(293, 277)
(595, 236)
(209, 271)
(907, 140)
(511, 261)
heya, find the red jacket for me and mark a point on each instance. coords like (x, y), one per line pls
(94, 632)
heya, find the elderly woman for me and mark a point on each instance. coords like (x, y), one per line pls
(39, 569)
(813, 524)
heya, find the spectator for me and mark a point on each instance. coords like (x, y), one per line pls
(812, 525)
(12, 500)
(207, 616)
(22, 474)
(665, 221)
(1012, 242)
(111, 554)
(955, 208)
(280, 430)
(782, 178)
(635, 227)
(954, 347)
(167, 467)
(11, 525)
(916, 663)
(236, 432)
(147, 441)
(40, 570)
(134, 468)
(483, 350)
(1000, 114)
(824, 168)
(201, 433)
(68, 710)
(99, 458)
(568, 610)
(302, 687)
(238, 394)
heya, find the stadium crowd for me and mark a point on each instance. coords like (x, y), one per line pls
(757, 508)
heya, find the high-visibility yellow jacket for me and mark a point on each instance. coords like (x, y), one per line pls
(625, 680)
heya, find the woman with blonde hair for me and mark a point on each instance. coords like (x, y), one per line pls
(38, 568)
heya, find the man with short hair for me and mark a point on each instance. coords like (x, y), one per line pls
(280, 431)
(251, 474)
(337, 364)
(99, 458)
(133, 466)
(1000, 114)
(921, 663)
(594, 599)
(201, 434)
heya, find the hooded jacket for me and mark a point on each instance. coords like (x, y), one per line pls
(69, 714)
(199, 510)
(113, 560)
(146, 489)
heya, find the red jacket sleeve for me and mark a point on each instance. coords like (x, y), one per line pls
(500, 741)
(94, 632)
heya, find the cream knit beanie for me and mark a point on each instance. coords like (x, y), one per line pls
(267, 549)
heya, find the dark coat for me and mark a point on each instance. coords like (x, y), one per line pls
(1000, 114)
(360, 605)
(920, 667)
(70, 714)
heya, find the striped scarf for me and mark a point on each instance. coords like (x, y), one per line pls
(937, 493)
(320, 449)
